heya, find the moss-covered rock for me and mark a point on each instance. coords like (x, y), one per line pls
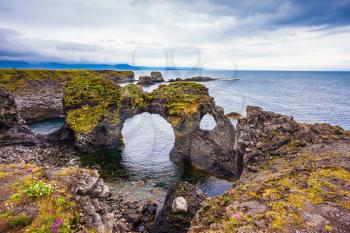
(309, 192)
(39, 93)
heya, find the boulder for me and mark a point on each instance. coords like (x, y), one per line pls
(170, 221)
(157, 77)
(145, 81)
(179, 205)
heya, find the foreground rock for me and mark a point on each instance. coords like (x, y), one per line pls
(145, 81)
(63, 200)
(174, 217)
(193, 79)
(157, 77)
(39, 93)
(297, 178)
(96, 116)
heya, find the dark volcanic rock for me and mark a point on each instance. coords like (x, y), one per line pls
(8, 111)
(145, 81)
(193, 79)
(263, 134)
(182, 104)
(157, 77)
(169, 221)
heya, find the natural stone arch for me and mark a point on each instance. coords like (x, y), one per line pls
(96, 110)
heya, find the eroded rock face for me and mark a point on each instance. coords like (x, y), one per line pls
(169, 221)
(157, 77)
(264, 134)
(12, 127)
(97, 122)
(39, 93)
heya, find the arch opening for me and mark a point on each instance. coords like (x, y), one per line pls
(207, 122)
(148, 140)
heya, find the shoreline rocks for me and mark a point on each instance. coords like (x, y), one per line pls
(170, 221)
(193, 79)
(145, 81)
(157, 77)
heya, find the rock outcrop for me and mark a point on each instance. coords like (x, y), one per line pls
(145, 81)
(296, 178)
(12, 127)
(39, 93)
(193, 79)
(264, 134)
(168, 220)
(157, 77)
(96, 115)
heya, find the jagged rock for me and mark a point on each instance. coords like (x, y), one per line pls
(145, 81)
(263, 134)
(169, 221)
(97, 123)
(193, 79)
(179, 205)
(233, 115)
(157, 77)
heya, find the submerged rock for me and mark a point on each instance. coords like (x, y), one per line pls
(145, 81)
(168, 220)
(157, 77)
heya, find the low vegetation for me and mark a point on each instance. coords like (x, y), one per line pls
(285, 195)
(19, 79)
(32, 203)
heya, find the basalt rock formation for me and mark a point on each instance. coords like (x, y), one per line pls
(157, 77)
(145, 81)
(12, 128)
(297, 178)
(96, 112)
(264, 134)
(39, 93)
(193, 79)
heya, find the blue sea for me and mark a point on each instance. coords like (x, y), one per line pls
(308, 96)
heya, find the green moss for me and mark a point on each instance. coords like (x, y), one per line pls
(133, 95)
(19, 79)
(181, 99)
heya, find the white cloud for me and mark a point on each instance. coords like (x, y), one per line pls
(168, 33)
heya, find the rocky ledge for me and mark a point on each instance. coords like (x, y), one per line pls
(39, 93)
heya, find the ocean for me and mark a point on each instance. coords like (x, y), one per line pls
(308, 96)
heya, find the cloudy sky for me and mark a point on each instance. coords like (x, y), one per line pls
(247, 34)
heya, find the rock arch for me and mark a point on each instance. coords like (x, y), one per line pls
(96, 110)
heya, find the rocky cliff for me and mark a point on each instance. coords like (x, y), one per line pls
(39, 93)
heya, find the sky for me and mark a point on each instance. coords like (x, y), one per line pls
(247, 34)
